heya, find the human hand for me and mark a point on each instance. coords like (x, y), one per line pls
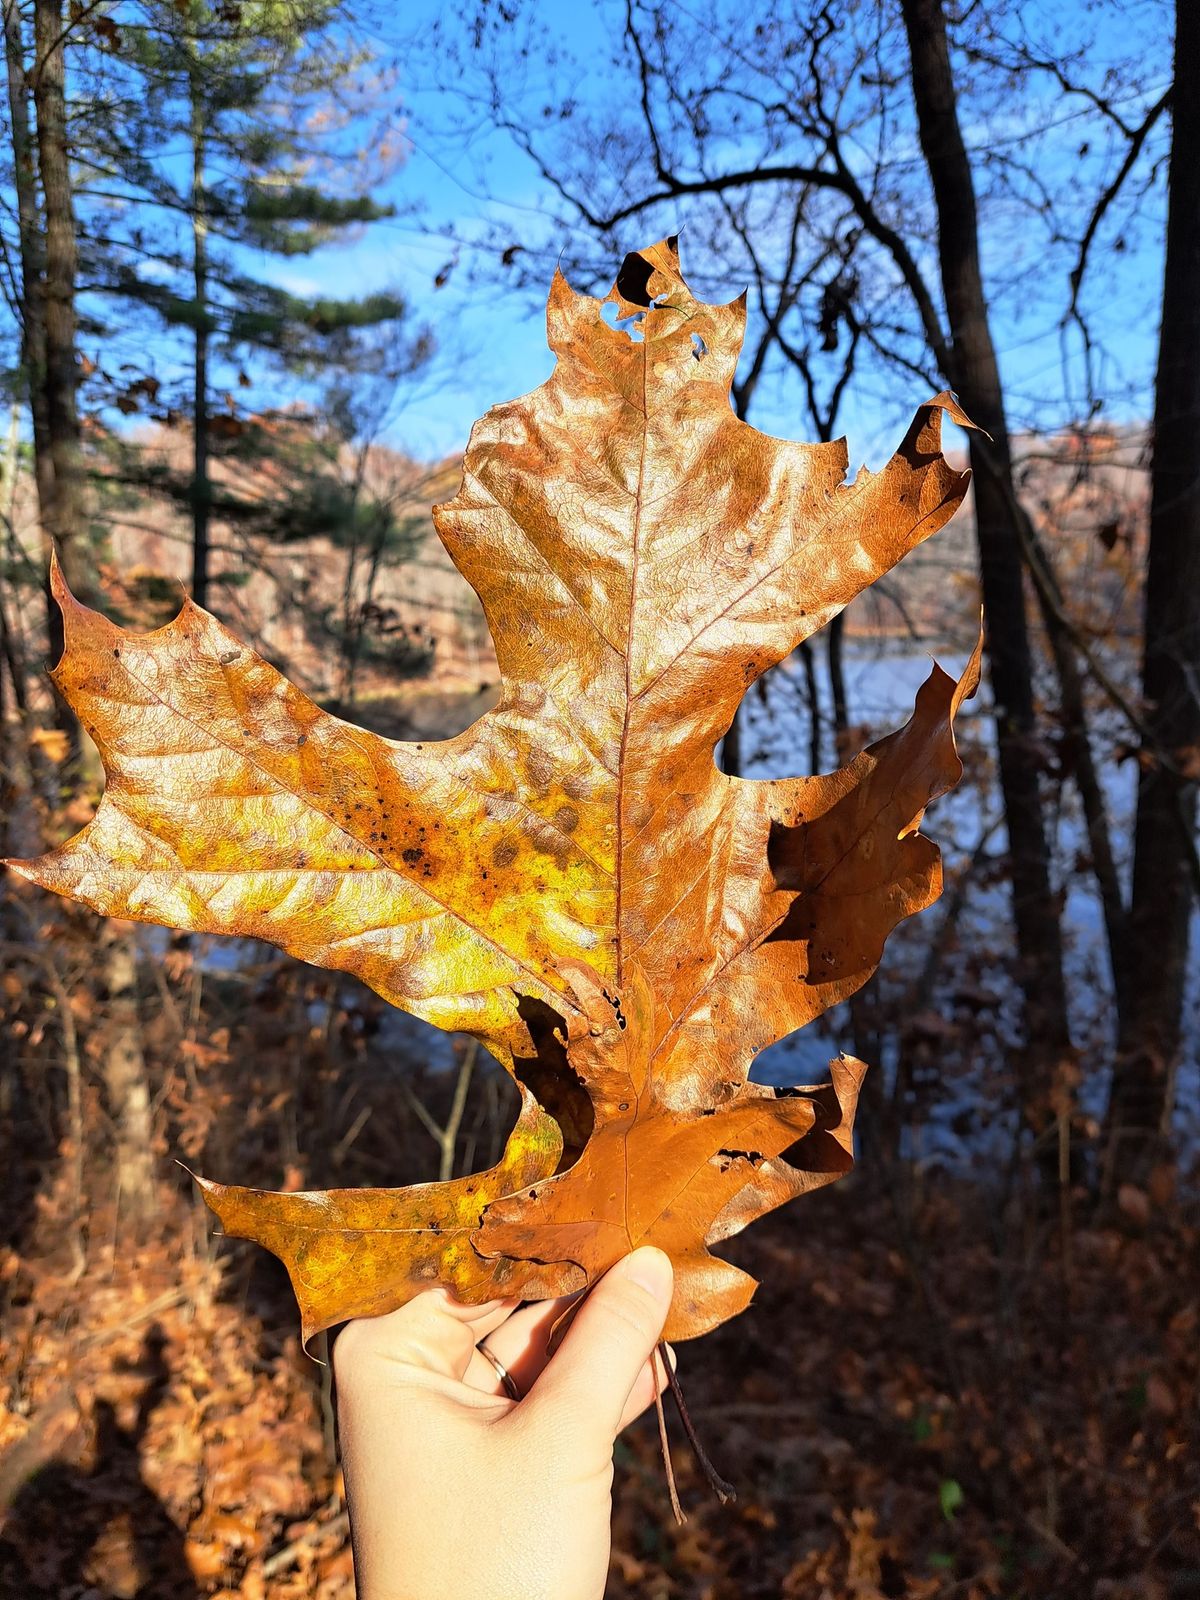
(456, 1491)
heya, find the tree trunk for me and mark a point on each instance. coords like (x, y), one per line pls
(1036, 908)
(349, 640)
(65, 513)
(33, 333)
(201, 484)
(1151, 1037)
(812, 698)
(837, 684)
(15, 743)
(374, 561)
(731, 747)
(126, 1085)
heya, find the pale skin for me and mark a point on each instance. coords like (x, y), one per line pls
(457, 1492)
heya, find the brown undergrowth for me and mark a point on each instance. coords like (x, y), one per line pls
(945, 1387)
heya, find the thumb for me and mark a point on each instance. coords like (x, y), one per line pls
(592, 1375)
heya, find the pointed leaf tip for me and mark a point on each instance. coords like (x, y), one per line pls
(58, 582)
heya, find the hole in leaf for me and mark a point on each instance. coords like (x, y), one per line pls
(550, 1078)
(628, 325)
(699, 348)
(633, 280)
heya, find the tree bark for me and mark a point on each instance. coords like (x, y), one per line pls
(1160, 908)
(201, 484)
(837, 684)
(64, 515)
(126, 1083)
(731, 747)
(975, 374)
(812, 698)
(33, 331)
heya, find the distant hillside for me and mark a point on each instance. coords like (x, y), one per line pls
(287, 592)
(427, 638)
(1088, 493)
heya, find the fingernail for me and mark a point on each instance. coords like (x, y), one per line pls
(649, 1268)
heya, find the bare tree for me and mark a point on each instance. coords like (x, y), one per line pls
(1164, 886)
(49, 264)
(783, 139)
(30, 307)
(969, 361)
(63, 514)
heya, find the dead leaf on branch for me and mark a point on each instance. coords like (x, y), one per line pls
(572, 880)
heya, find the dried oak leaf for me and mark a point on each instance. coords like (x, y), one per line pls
(572, 879)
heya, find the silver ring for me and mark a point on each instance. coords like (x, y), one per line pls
(502, 1372)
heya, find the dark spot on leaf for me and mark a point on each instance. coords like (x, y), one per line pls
(412, 856)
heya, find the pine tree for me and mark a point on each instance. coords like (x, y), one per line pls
(226, 147)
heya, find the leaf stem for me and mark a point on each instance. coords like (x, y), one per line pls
(663, 1440)
(724, 1491)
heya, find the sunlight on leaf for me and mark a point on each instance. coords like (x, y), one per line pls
(572, 880)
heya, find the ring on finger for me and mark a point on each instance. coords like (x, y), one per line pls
(506, 1378)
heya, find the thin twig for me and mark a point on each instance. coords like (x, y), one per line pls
(457, 1107)
(446, 1136)
(291, 1553)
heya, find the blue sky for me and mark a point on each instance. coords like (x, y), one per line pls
(493, 336)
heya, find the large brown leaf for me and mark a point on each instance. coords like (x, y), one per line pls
(642, 556)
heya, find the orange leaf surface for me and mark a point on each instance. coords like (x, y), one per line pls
(572, 880)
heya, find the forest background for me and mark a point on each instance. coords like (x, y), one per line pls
(972, 1367)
